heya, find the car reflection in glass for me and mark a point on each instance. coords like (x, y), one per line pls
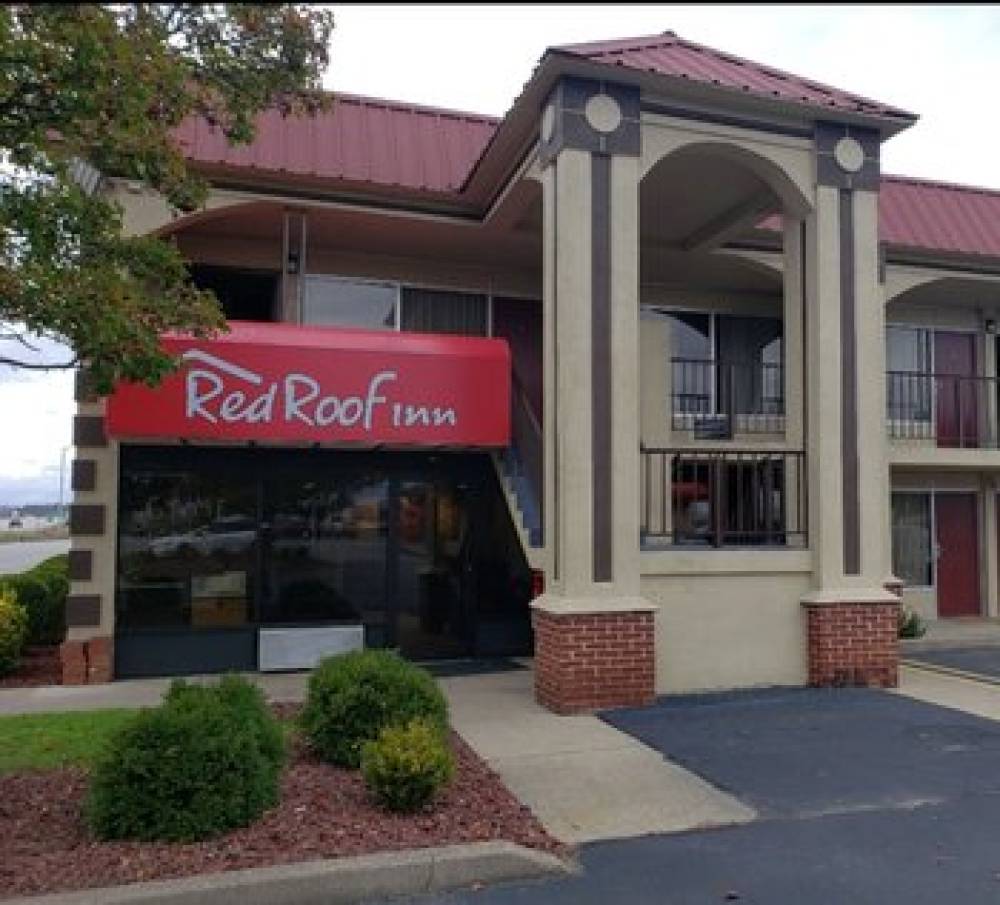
(229, 534)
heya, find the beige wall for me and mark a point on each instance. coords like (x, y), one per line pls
(728, 630)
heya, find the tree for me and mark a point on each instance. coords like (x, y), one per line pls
(104, 86)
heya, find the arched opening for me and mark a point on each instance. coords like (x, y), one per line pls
(721, 360)
(942, 363)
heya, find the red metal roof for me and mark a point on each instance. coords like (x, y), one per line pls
(359, 140)
(666, 54)
(935, 216)
(425, 149)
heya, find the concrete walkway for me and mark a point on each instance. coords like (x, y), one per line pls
(956, 692)
(946, 633)
(584, 779)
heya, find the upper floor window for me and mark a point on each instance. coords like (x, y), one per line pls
(724, 363)
(444, 311)
(909, 363)
(245, 295)
(335, 301)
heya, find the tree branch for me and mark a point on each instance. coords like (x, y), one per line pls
(37, 366)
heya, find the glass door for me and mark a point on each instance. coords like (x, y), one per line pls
(431, 604)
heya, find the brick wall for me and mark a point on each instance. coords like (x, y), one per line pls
(854, 644)
(87, 662)
(589, 661)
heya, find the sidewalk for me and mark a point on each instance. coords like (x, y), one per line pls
(279, 687)
(583, 779)
(979, 698)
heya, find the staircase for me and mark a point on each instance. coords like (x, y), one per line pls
(519, 468)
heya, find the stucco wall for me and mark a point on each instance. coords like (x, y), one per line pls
(728, 630)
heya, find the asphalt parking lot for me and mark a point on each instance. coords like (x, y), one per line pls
(863, 797)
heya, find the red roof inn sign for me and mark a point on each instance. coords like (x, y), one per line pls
(277, 382)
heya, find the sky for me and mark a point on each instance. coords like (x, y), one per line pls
(938, 61)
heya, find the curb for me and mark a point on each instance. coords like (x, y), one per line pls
(338, 881)
(951, 671)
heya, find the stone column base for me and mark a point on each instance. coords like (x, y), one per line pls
(591, 660)
(87, 662)
(854, 644)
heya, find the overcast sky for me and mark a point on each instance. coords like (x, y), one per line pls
(941, 62)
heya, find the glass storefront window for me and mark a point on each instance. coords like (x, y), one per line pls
(912, 559)
(417, 548)
(324, 549)
(187, 550)
(336, 301)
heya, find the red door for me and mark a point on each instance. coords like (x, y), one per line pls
(957, 410)
(957, 536)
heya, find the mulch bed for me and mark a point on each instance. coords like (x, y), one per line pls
(324, 813)
(38, 666)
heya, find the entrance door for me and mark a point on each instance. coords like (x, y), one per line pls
(431, 609)
(957, 536)
(957, 409)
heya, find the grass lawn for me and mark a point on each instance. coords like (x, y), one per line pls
(45, 741)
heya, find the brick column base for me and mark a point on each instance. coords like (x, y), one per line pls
(590, 661)
(87, 662)
(854, 644)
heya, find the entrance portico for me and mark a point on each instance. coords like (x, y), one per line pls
(619, 233)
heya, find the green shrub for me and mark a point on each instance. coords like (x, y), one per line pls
(406, 765)
(246, 700)
(206, 761)
(910, 623)
(13, 631)
(42, 592)
(352, 697)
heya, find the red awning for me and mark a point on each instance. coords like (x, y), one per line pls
(283, 382)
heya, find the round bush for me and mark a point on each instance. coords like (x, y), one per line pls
(42, 592)
(13, 631)
(205, 761)
(352, 697)
(406, 765)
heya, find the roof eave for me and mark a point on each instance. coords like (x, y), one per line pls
(887, 124)
(519, 127)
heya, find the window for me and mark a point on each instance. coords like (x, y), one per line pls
(909, 389)
(912, 558)
(437, 311)
(245, 295)
(722, 364)
(334, 301)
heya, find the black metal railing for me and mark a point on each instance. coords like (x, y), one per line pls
(950, 410)
(723, 498)
(719, 399)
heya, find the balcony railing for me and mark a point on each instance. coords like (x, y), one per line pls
(719, 399)
(947, 410)
(723, 498)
